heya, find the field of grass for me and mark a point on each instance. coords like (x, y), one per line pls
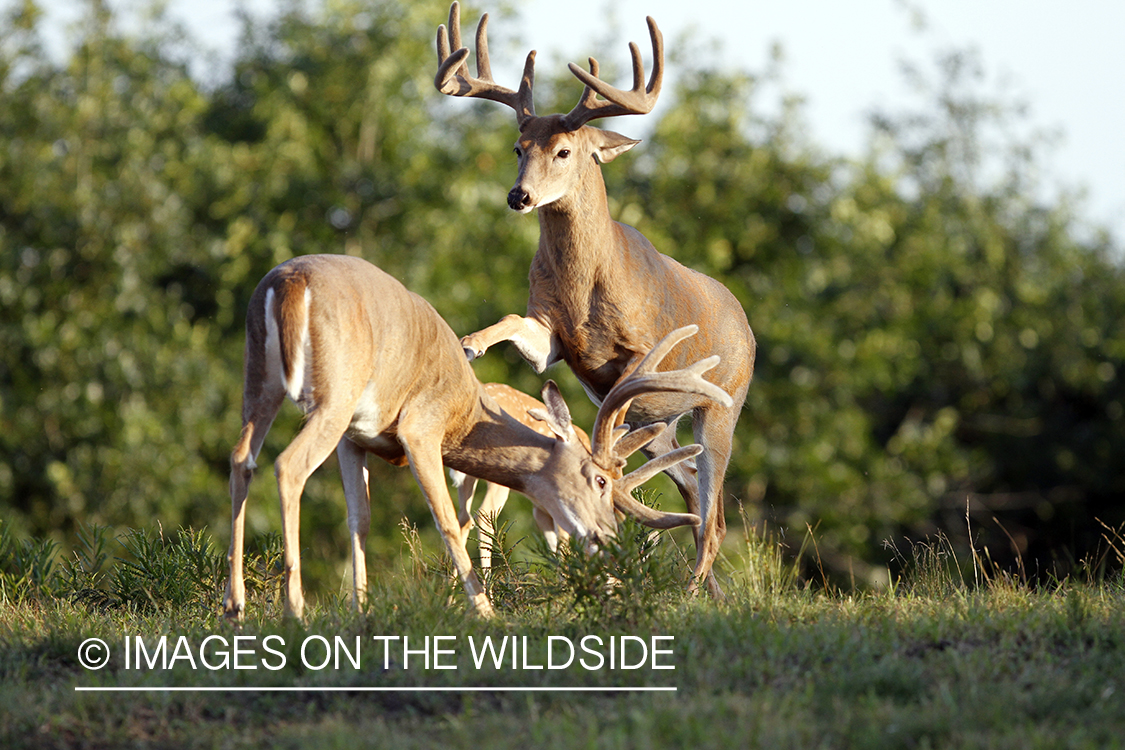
(939, 660)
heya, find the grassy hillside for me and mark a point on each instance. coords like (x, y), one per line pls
(940, 659)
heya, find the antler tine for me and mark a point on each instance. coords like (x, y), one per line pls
(624, 501)
(687, 380)
(455, 28)
(631, 442)
(657, 354)
(654, 519)
(648, 470)
(449, 41)
(453, 76)
(645, 379)
(637, 101)
(484, 68)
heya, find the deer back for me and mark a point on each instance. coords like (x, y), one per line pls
(338, 328)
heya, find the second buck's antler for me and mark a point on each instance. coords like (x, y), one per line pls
(612, 443)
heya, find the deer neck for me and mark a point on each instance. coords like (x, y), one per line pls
(498, 449)
(576, 232)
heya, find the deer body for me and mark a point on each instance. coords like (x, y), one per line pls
(600, 294)
(591, 288)
(376, 370)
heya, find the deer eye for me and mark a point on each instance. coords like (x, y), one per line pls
(564, 153)
(600, 482)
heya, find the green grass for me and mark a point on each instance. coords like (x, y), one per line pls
(941, 659)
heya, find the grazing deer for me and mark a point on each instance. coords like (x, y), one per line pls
(600, 293)
(376, 370)
(520, 406)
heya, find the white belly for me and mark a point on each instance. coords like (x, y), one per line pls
(369, 424)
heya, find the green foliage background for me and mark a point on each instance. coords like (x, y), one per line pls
(933, 340)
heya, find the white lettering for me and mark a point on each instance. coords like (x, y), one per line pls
(478, 657)
(551, 640)
(601, 659)
(327, 652)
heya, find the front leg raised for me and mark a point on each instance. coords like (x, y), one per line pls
(533, 338)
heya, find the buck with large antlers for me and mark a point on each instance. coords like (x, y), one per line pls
(376, 370)
(600, 293)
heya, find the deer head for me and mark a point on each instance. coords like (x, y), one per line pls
(554, 152)
(572, 489)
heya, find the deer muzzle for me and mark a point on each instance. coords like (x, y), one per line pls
(519, 199)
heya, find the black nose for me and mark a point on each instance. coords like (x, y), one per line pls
(518, 199)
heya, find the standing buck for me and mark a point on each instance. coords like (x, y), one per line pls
(600, 295)
(376, 370)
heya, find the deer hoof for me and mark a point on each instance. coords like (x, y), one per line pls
(233, 612)
(471, 351)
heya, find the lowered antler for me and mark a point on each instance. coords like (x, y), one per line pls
(637, 101)
(645, 379)
(453, 74)
(612, 444)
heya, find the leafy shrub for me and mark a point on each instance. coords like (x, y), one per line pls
(624, 582)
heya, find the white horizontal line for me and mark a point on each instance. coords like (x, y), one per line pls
(294, 689)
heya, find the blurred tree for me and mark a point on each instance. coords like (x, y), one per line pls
(930, 335)
(927, 339)
(95, 179)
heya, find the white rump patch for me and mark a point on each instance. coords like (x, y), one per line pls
(273, 342)
(295, 383)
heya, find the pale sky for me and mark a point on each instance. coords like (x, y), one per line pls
(1065, 59)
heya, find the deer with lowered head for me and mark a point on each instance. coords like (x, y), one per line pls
(600, 294)
(521, 407)
(376, 370)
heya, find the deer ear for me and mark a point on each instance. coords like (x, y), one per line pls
(610, 145)
(556, 415)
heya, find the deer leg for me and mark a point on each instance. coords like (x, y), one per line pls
(313, 444)
(242, 464)
(466, 487)
(546, 524)
(495, 495)
(425, 462)
(682, 474)
(353, 472)
(533, 338)
(685, 475)
(713, 429)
